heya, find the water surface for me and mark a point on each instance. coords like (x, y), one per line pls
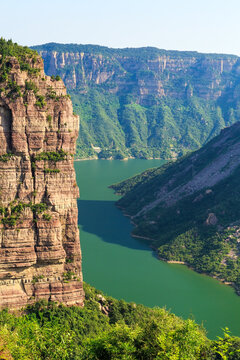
(126, 268)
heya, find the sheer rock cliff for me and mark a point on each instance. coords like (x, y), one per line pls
(40, 255)
(159, 74)
(145, 102)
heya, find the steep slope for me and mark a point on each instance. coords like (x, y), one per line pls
(145, 102)
(190, 209)
(39, 239)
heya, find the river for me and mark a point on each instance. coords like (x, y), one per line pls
(126, 268)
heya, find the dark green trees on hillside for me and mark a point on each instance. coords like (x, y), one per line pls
(189, 210)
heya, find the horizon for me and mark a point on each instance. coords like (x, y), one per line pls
(128, 47)
(205, 27)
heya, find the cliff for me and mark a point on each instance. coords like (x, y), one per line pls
(39, 239)
(145, 102)
(190, 210)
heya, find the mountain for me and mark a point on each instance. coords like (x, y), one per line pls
(145, 102)
(189, 210)
(39, 240)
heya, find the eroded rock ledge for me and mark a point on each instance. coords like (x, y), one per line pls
(39, 239)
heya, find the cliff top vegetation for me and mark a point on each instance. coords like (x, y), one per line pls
(9, 48)
(142, 52)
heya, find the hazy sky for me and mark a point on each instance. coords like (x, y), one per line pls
(202, 25)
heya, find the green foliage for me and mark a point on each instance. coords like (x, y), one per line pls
(10, 220)
(12, 213)
(54, 156)
(57, 78)
(69, 275)
(27, 67)
(30, 85)
(49, 120)
(6, 157)
(47, 331)
(40, 101)
(179, 231)
(142, 53)
(47, 217)
(51, 156)
(225, 348)
(37, 278)
(38, 208)
(166, 129)
(14, 90)
(145, 111)
(51, 94)
(8, 48)
(26, 58)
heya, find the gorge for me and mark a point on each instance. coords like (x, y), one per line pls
(40, 256)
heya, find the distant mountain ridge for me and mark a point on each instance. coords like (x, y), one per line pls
(146, 102)
(189, 210)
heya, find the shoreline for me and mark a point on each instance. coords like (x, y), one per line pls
(225, 282)
(84, 159)
(124, 159)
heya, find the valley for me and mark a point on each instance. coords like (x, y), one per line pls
(147, 103)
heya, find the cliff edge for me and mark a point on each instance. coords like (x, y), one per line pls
(40, 253)
(145, 102)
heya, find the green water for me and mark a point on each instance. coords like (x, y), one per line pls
(126, 268)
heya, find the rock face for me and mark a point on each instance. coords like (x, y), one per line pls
(146, 102)
(156, 71)
(40, 255)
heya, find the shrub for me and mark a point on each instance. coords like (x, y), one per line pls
(47, 217)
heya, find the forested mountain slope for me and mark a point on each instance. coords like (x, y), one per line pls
(145, 102)
(190, 209)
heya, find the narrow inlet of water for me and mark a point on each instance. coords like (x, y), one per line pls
(126, 268)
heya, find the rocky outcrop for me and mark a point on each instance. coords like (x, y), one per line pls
(39, 239)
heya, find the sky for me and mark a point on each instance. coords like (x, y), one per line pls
(211, 26)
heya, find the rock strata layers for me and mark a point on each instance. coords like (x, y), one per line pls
(145, 102)
(40, 255)
(154, 72)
